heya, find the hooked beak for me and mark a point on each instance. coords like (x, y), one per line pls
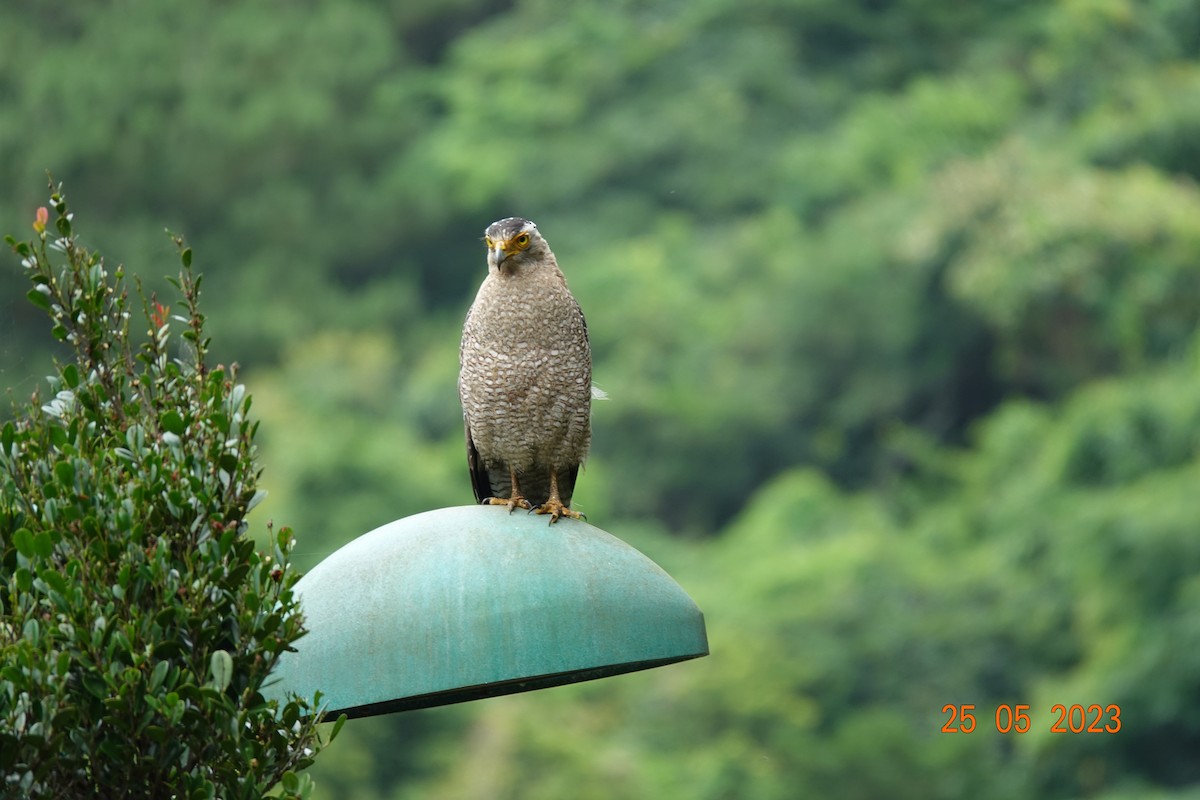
(497, 255)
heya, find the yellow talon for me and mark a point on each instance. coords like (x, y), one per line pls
(516, 501)
(556, 509)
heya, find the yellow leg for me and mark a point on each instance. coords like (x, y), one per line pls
(554, 506)
(514, 500)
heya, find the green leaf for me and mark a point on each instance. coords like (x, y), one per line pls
(95, 685)
(186, 256)
(259, 496)
(38, 299)
(221, 667)
(291, 782)
(24, 578)
(159, 675)
(70, 375)
(23, 539)
(58, 436)
(337, 727)
(43, 544)
(168, 649)
(32, 631)
(8, 435)
(172, 422)
(112, 751)
(135, 437)
(54, 579)
(64, 472)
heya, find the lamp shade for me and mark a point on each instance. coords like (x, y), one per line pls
(471, 602)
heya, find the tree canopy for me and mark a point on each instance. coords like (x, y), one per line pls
(896, 304)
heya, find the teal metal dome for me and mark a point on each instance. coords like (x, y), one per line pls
(472, 602)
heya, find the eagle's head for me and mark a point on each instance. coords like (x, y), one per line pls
(514, 244)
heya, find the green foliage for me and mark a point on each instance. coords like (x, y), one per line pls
(1053, 561)
(902, 213)
(343, 399)
(896, 304)
(1079, 272)
(138, 622)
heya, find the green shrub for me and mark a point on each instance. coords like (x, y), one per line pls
(138, 622)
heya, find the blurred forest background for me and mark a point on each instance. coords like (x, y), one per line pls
(896, 301)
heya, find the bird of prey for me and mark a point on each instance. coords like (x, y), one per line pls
(525, 377)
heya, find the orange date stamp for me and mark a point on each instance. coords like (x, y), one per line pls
(1074, 718)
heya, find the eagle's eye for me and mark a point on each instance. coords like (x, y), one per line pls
(522, 241)
(487, 240)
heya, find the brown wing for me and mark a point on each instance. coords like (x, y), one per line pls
(566, 479)
(566, 484)
(481, 481)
